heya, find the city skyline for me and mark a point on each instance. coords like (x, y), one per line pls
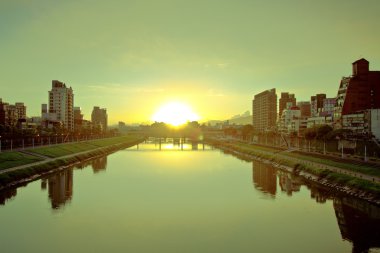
(153, 53)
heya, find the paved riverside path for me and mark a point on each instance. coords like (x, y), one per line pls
(48, 159)
(367, 177)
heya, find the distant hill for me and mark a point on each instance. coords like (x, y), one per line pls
(244, 120)
(241, 120)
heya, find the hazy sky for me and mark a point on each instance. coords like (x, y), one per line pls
(132, 56)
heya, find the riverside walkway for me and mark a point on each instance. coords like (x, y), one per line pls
(69, 150)
(48, 159)
(286, 154)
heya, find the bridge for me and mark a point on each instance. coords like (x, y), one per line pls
(171, 144)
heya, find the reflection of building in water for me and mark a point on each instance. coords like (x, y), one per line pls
(7, 194)
(99, 164)
(60, 188)
(288, 183)
(43, 183)
(264, 177)
(359, 222)
(319, 195)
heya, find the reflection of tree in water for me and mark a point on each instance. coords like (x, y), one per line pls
(320, 193)
(60, 187)
(359, 222)
(264, 178)
(7, 195)
(99, 164)
(289, 183)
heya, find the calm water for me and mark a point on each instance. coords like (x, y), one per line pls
(195, 200)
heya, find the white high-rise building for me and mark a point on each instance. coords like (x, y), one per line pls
(61, 103)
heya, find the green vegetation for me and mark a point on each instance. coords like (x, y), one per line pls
(273, 153)
(286, 158)
(13, 159)
(72, 148)
(108, 146)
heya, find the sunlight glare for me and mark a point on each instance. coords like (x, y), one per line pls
(175, 113)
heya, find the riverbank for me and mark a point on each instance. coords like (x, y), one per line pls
(347, 178)
(49, 159)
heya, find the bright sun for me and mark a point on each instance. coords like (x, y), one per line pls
(175, 113)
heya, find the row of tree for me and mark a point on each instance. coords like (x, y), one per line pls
(8, 132)
(323, 132)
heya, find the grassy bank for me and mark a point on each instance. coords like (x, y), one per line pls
(13, 159)
(285, 158)
(94, 148)
(269, 153)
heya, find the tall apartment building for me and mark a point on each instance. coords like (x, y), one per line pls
(316, 103)
(61, 103)
(328, 107)
(21, 110)
(78, 118)
(99, 117)
(359, 92)
(10, 115)
(264, 110)
(305, 108)
(284, 100)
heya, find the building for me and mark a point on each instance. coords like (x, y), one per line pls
(359, 92)
(49, 120)
(284, 100)
(21, 110)
(298, 126)
(264, 110)
(316, 104)
(305, 108)
(288, 115)
(11, 115)
(61, 103)
(99, 117)
(122, 126)
(78, 118)
(328, 107)
(363, 123)
(319, 121)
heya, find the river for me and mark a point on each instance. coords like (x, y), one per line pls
(168, 198)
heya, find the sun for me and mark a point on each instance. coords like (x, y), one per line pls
(175, 113)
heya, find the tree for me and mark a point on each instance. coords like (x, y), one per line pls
(310, 133)
(246, 131)
(230, 131)
(323, 131)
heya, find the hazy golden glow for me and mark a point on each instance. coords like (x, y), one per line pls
(175, 113)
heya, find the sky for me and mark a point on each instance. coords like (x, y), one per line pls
(132, 56)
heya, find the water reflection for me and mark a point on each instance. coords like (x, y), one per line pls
(60, 187)
(99, 164)
(264, 178)
(359, 222)
(289, 183)
(7, 195)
